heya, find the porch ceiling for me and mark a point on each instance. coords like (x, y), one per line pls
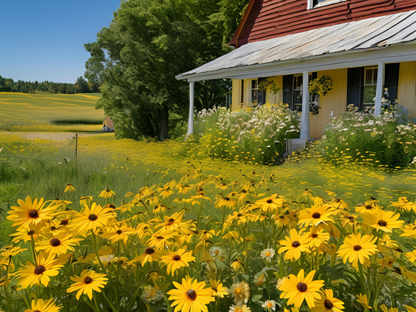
(300, 51)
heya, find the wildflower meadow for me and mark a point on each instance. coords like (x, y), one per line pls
(136, 227)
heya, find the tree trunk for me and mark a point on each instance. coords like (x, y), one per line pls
(163, 123)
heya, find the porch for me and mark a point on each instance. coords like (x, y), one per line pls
(336, 51)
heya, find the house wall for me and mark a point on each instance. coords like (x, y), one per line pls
(406, 93)
(268, 19)
(334, 101)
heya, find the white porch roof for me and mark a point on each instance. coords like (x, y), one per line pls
(392, 38)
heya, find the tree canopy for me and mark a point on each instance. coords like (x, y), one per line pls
(138, 56)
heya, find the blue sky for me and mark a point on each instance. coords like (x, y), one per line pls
(44, 39)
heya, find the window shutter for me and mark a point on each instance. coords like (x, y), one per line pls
(391, 80)
(355, 86)
(288, 90)
(261, 94)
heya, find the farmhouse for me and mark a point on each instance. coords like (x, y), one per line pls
(364, 46)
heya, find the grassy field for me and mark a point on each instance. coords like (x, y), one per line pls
(49, 112)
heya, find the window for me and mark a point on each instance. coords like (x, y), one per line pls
(298, 91)
(370, 86)
(257, 97)
(319, 3)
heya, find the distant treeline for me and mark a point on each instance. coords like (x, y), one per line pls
(80, 86)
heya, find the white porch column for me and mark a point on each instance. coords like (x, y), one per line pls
(191, 109)
(379, 89)
(304, 122)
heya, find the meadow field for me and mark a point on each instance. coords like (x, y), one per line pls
(165, 226)
(49, 112)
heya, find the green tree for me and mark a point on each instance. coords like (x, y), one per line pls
(138, 56)
(81, 85)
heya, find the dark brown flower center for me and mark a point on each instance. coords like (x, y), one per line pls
(160, 237)
(36, 311)
(92, 217)
(316, 215)
(33, 214)
(328, 304)
(191, 294)
(39, 269)
(149, 251)
(177, 258)
(87, 280)
(302, 287)
(295, 244)
(55, 242)
(269, 201)
(369, 207)
(119, 232)
(314, 235)
(239, 215)
(31, 232)
(357, 247)
(382, 223)
(171, 221)
(64, 222)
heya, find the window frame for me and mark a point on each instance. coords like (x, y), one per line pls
(365, 84)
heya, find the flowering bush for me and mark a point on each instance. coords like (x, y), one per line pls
(159, 251)
(367, 139)
(251, 135)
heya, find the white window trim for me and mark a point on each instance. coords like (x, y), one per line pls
(325, 3)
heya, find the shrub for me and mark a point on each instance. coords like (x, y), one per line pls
(367, 139)
(250, 135)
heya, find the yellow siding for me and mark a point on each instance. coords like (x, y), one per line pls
(272, 98)
(406, 93)
(335, 101)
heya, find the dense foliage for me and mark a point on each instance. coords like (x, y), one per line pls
(80, 86)
(250, 135)
(138, 56)
(385, 140)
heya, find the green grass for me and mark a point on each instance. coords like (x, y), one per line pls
(39, 112)
(37, 168)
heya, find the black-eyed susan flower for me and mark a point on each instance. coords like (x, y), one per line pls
(327, 303)
(87, 282)
(190, 296)
(238, 265)
(92, 218)
(299, 288)
(357, 248)
(316, 215)
(161, 239)
(25, 233)
(41, 305)
(317, 237)
(119, 233)
(409, 230)
(218, 290)
(272, 203)
(149, 255)
(240, 292)
(40, 273)
(294, 245)
(107, 193)
(177, 259)
(58, 243)
(382, 220)
(29, 212)
(225, 201)
(69, 188)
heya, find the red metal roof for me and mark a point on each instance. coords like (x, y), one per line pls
(266, 19)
